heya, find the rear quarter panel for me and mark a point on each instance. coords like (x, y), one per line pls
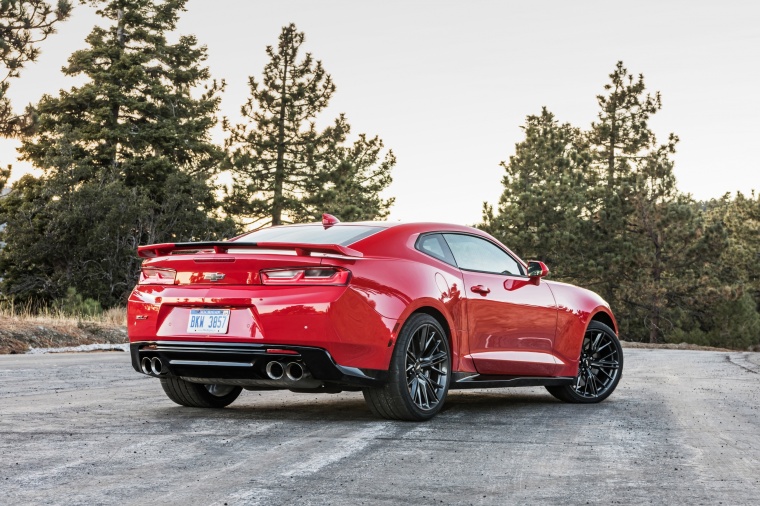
(396, 280)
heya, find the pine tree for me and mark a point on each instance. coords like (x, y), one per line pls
(602, 208)
(541, 211)
(651, 240)
(619, 139)
(284, 169)
(127, 159)
(349, 183)
(23, 25)
(729, 311)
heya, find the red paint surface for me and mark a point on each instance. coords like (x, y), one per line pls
(513, 327)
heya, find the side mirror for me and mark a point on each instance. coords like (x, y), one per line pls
(536, 271)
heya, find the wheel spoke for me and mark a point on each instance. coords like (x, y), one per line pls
(426, 402)
(605, 364)
(426, 379)
(432, 393)
(592, 382)
(605, 373)
(423, 335)
(596, 341)
(414, 388)
(436, 359)
(597, 350)
(429, 340)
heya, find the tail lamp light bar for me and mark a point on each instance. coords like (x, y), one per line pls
(301, 276)
(306, 276)
(157, 276)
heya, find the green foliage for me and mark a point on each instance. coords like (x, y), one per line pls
(284, 169)
(602, 209)
(349, 183)
(74, 304)
(127, 160)
(541, 211)
(23, 24)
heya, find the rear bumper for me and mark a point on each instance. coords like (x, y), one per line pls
(245, 363)
(334, 318)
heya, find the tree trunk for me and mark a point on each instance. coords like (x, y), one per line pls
(654, 324)
(279, 172)
(611, 154)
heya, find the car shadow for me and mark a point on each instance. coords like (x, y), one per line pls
(352, 408)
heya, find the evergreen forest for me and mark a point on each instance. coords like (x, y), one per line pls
(127, 158)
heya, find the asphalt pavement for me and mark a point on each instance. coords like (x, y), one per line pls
(683, 427)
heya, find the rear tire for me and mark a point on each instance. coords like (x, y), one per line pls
(419, 374)
(195, 395)
(599, 369)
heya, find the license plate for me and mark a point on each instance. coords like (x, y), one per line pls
(208, 321)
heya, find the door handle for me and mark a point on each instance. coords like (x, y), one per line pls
(482, 290)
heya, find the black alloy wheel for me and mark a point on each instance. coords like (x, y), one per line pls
(419, 375)
(599, 369)
(427, 367)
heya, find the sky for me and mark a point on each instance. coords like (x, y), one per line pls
(447, 85)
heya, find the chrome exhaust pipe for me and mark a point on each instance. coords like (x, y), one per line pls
(294, 371)
(275, 370)
(145, 365)
(156, 367)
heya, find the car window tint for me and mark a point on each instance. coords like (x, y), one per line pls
(434, 245)
(476, 254)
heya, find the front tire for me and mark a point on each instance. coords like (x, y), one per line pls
(599, 369)
(419, 374)
(195, 395)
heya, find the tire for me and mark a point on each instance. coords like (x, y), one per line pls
(419, 375)
(599, 369)
(195, 395)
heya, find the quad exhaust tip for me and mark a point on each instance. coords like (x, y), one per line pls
(152, 366)
(275, 370)
(156, 367)
(294, 371)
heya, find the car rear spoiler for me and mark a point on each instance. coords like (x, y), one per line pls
(301, 249)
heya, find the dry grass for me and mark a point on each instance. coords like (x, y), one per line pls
(22, 329)
(10, 313)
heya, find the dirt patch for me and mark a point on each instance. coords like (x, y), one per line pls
(20, 335)
(670, 346)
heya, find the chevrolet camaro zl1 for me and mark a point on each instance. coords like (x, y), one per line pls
(402, 312)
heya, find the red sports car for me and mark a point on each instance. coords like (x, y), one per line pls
(402, 312)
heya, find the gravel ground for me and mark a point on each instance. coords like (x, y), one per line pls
(683, 427)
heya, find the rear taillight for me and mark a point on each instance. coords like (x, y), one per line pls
(306, 276)
(157, 276)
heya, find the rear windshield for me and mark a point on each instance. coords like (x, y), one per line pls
(343, 235)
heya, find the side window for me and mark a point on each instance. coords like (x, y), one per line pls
(476, 254)
(436, 247)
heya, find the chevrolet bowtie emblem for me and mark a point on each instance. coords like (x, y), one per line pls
(213, 276)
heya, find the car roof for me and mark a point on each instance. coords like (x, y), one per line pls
(397, 230)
